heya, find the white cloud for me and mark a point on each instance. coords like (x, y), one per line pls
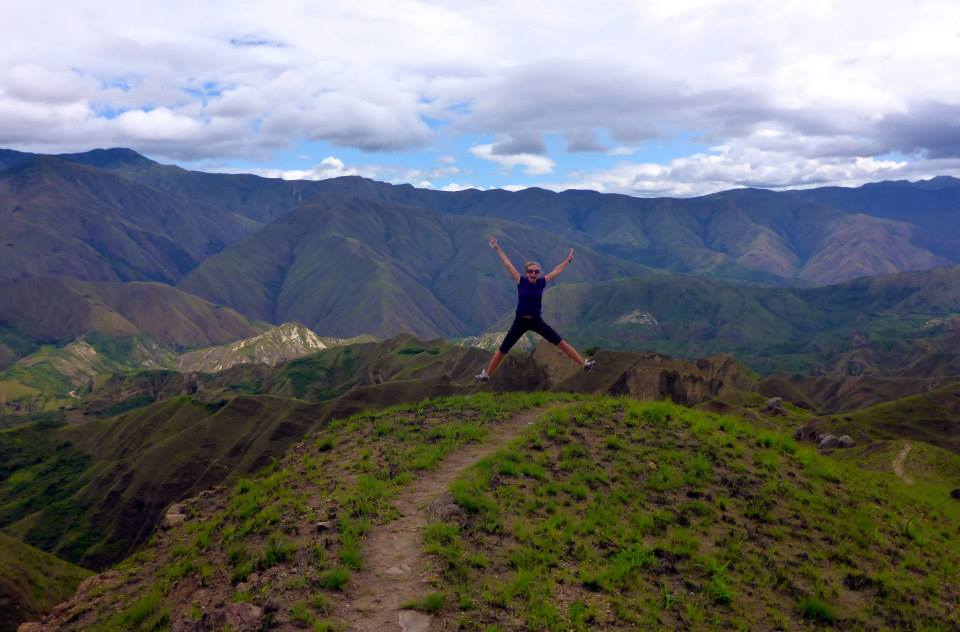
(733, 166)
(36, 84)
(532, 164)
(333, 167)
(329, 167)
(455, 186)
(799, 91)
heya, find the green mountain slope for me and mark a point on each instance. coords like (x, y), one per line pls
(794, 237)
(603, 514)
(61, 310)
(58, 377)
(748, 234)
(97, 329)
(829, 394)
(368, 371)
(58, 218)
(347, 266)
(255, 198)
(932, 416)
(32, 582)
(115, 475)
(781, 329)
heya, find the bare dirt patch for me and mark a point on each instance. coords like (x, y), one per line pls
(898, 464)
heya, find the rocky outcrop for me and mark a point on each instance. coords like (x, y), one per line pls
(813, 431)
(774, 406)
(279, 344)
(643, 375)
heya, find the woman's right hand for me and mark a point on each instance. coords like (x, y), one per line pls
(493, 243)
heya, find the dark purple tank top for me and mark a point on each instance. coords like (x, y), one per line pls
(529, 295)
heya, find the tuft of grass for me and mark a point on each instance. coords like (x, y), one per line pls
(431, 603)
(335, 578)
(817, 611)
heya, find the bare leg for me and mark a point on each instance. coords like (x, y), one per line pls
(564, 346)
(495, 361)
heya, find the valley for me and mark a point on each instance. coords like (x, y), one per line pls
(261, 357)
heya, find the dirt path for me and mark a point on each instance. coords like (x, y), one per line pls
(396, 569)
(898, 464)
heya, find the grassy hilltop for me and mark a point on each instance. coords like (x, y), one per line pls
(603, 513)
(32, 582)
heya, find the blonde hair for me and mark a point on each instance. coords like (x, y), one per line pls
(532, 263)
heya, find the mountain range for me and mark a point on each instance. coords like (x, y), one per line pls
(350, 256)
(792, 237)
(166, 333)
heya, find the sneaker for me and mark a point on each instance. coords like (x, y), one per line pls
(588, 365)
(482, 376)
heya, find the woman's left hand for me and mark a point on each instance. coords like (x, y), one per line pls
(570, 256)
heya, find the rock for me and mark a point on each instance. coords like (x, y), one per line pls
(810, 431)
(774, 406)
(172, 520)
(828, 442)
(326, 525)
(244, 617)
(955, 494)
(846, 441)
(445, 509)
(243, 587)
(106, 578)
(30, 626)
(413, 621)
(399, 570)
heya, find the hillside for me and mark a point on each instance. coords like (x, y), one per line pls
(600, 514)
(65, 335)
(278, 344)
(348, 266)
(905, 318)
(53, 378)
(932, 416)
(815, 236)
(829, 394)
(749, 234)
(184, 432)
(406, 363)
(32, 582)
(820, 236)
(59, 218)
(258, 199)
(61, 310)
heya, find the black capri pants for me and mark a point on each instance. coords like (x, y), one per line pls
(522, 325)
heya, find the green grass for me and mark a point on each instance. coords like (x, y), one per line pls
(655, 515)
(346, 477)
(38, 469)
(431, 603)
(33, 581)
(11, 390)
(606, 514)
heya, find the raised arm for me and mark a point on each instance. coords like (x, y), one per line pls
(560, 268)
(504, 260)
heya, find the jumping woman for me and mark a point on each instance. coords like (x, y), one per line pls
(530, 288)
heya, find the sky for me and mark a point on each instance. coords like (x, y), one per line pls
(647, 98)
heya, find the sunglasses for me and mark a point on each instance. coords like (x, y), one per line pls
(533, 272)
